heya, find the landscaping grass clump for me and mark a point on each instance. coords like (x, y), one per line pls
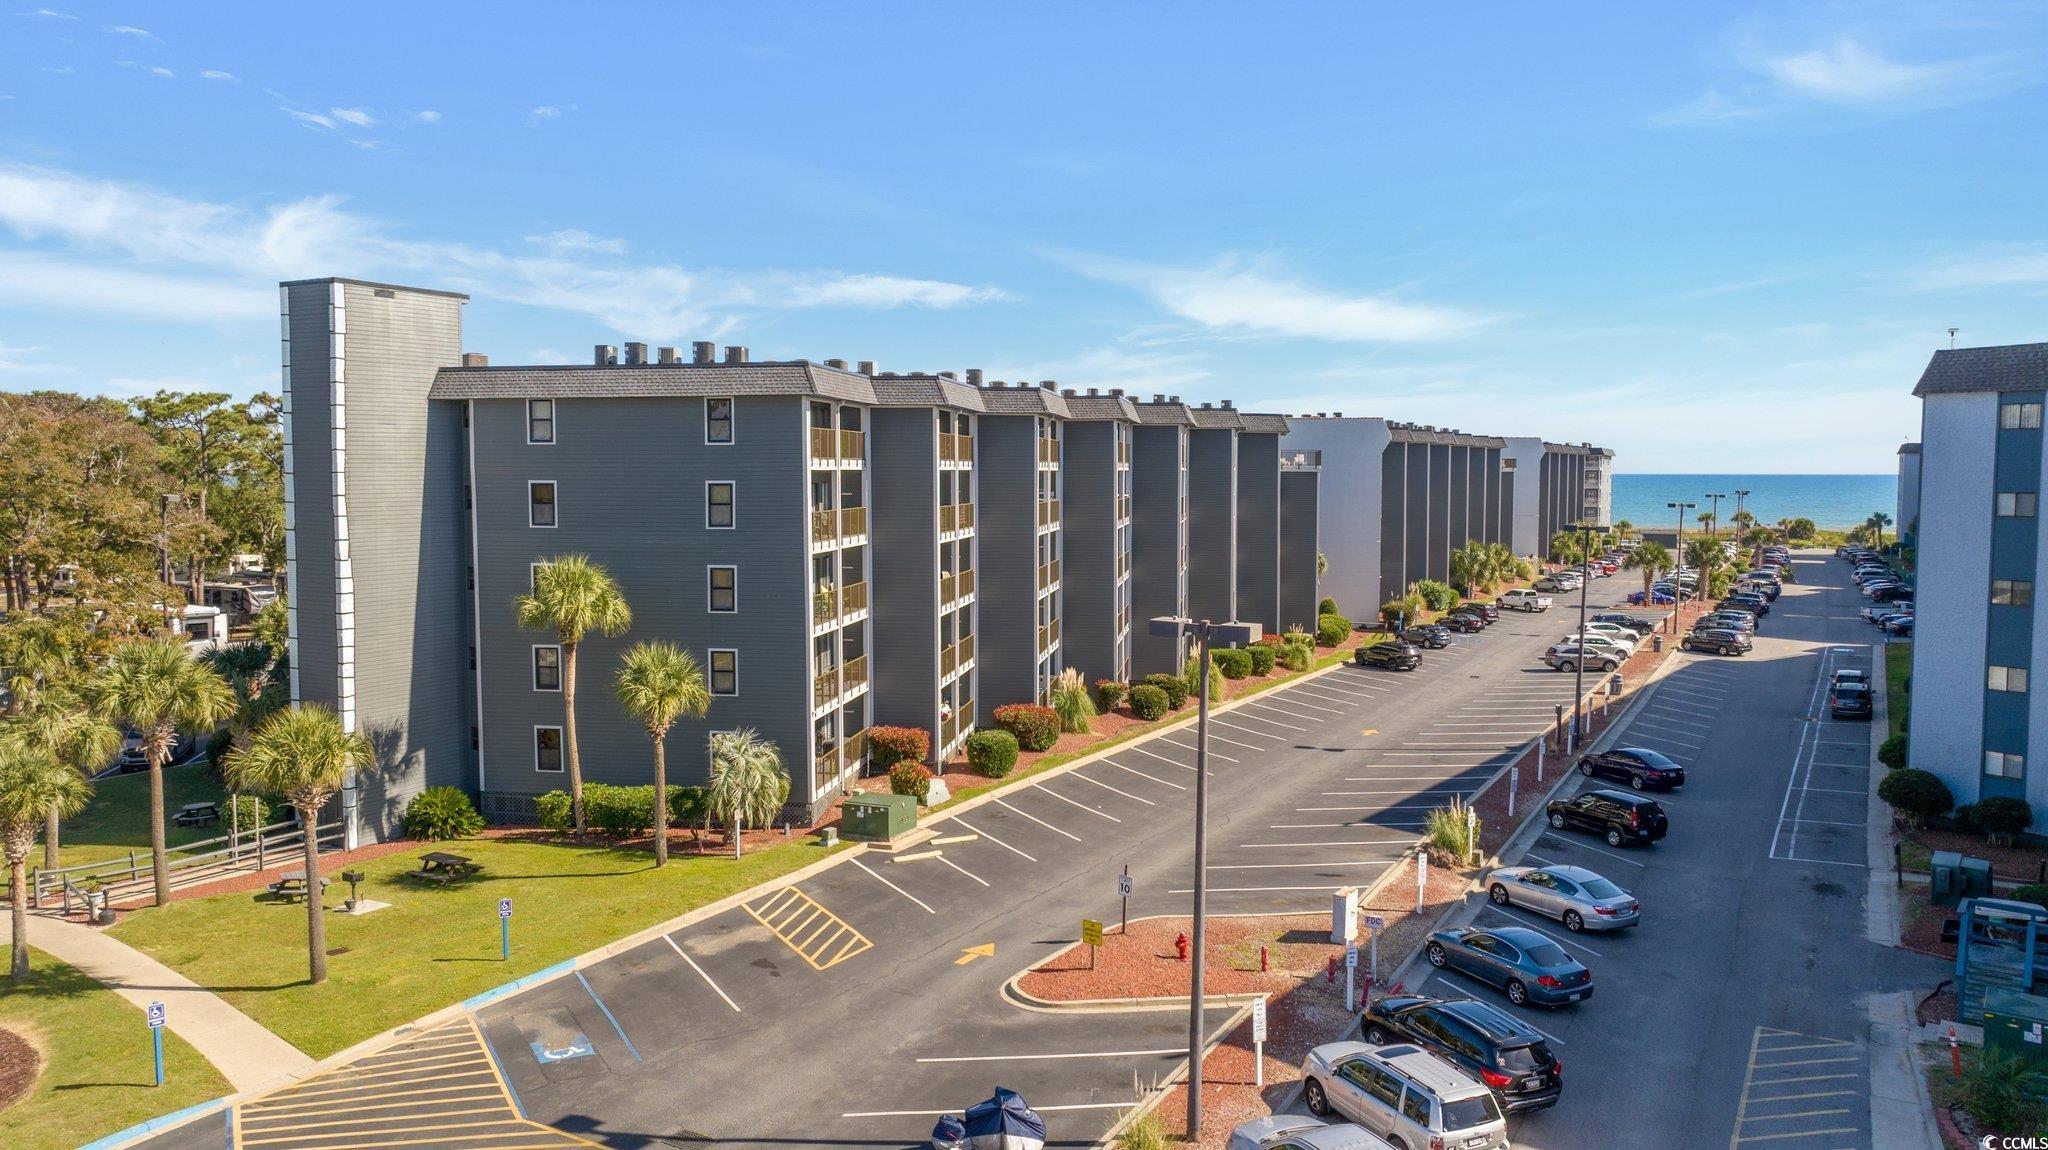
(1450, 836)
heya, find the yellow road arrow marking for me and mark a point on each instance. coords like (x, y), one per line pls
(969, 954)
(1370, 731)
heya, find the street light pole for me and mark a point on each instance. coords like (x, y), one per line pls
(1717, 497)
(1586, 531)
(1678, 583)
(1740, 495)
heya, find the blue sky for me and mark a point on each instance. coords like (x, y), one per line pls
(1713, 238)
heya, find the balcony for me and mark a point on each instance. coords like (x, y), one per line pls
(854, 752)
(1048, 575)
(961, 723)
(1048, 451)
(963, 651)
(966, 583)
(966, 515)
(854, 675)
(853, 598)
(956, 516)
(947, 660)
(956, 448)
(825, 605)
(1123, 620)
(1123, 507)
(853, 445)
(853, 522)
(828, 763)
(1123, 565)
(1048, 513)
(825, 687)
(824, 443)
(824, 524)
(1123, 455)
(1048, 635)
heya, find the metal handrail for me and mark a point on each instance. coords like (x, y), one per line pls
(252, 846)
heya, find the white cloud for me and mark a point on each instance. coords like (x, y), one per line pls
(1231, 297)
(428, 116)
(33, 281)
(577, 240)
(224, 77)
(130, 30)
(1709, 107)
(356, 116)
(51, 13)
(1846, 72)
(1140, 373)
(310, 119)
(10, 357)
(61, 70)
(881, 292)
(546, 112)
(2006, 267)
(166, 73)
(368, 145)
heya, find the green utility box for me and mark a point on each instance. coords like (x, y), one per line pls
(877, 818)
(2017, 1024)
(1957, 878)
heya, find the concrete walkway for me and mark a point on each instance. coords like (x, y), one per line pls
(248, 1055)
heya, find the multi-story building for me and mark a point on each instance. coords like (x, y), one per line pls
(1159, 532)
(1906, 517)
(1560, 485)
(1599, 487)
(1978, 561)
(1213, 481)
(1097, 514)
(1301, 540)
(1022, 543)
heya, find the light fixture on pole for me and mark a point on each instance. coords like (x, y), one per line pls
(1586, 532)
(1740, 495)
(1678, 561)
(1717, 497)
(1207, 634)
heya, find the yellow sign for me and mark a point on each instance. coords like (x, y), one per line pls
(969, 954)
(1091, 932)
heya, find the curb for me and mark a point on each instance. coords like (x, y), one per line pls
(1022, 999)
(1174, 1077)
(158, 1124)
(1882, 922)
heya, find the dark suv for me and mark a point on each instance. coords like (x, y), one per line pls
(1619, 817)
(1394, 655)
(1427, 635)
(1636, 623)
(1464, 622)
(1849, 701)
(1485, 1042)
(1639, 767)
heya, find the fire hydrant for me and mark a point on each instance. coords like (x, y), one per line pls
(1180, 945)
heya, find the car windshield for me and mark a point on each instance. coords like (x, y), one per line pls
(1601, 888)
(1522, 1059)
(1652, 758)
(1466, 1113)
(1548, 954)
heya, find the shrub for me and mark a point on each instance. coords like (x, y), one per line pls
(689, 806)
(1892, 752)
(2032, 892)
(1436, 596)
(992, 753)
(251, 812)
(1109, 694)
(2004, 817)
(1233, 662)
(1525, 571)
(552, 809)
(1147, 1133)
(1963, 820)
(621, 812)
(1326, 606)
(1331, 629)
(888, 746)
(1148, 701)
(1996, 1091)
(1176, 689)
(438, 813)
(1395, 610)
(1037, 728)
(1915, 794)
(1297, 656)
(1270, 641)
(1449, 836)
(1191, 674)
(1071, 703)
(1263, 658)
(908, 778)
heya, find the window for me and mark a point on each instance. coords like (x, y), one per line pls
(724, 589)
(1381, 1084)
(540, 503)
(718, 421)
(725, 672)
(2019, 415)
(1999, 764)
(2012, 679)
(540, 421)
(547, 750)
(2016, 504)
(2012, 592)
(1415, 1107)
(718, 504)
(547, 668)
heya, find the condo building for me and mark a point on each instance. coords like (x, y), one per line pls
(1906, 515)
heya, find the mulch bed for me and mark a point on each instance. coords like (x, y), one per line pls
(1921, 929)
(20, 1064)
(2009, 864)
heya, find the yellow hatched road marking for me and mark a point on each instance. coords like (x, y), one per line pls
(807, 928)
(270, 1130)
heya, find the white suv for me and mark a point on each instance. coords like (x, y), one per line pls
(1403, 1094)
(1523, 599)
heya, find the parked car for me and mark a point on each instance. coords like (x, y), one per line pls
(134, 758)
(1569, 656)
(1510, 1056)
(1427, 635)
(1487, 611)
(1302, 1132)
(1620, 649)
(1754, 604)
(1465, 622)
(1849, 675)
(1556, 583)
(1394, 655)
(1719, 640)
(1524, 963)
(1639, 767)
(1575, 896)
(1894, 607)
(1617, 816)
(1741, 621)
(1850, 701)
(1636, 623)
(1523, 599)
(1902, 625)
(1628, 636)
(1654, 598)
(1896, 592)
(1402, 1093)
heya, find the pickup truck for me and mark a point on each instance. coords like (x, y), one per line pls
(1523, 599)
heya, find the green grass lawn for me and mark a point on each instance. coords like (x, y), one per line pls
(97, 1066)
(117, 822)
(1898, 666)
(433, 946)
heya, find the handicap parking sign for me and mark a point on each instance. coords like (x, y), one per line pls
(156, 1015)
(577, 1047)
(504, 908)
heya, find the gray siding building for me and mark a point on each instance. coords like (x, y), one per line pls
(1212, 512)
(1906, 518)
(1096, 516)
(1018, 474)
(1301, 474)
(1159, 532)
(1258, 519)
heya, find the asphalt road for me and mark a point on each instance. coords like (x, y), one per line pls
(850, 1011)
(1735, 1016)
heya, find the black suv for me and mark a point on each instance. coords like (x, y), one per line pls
(1487, 1043)
(1427, 635)
(1634, 623)
(1639, 767)
(1849, 701)
(1394, 655)
(1719, 640)
(1619, 817)
(1748, 601)
(1468, 622)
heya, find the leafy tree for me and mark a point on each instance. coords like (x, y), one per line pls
(1652, 559)
(1623, 528)
(31, 783)
(209, 444)
(304, 754)
(79, 489)
(156, 688)
(747, 782)
(61, 726)
(573, 597)
(657, 684)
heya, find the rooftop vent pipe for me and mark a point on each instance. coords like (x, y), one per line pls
(703, 351)
(974, 376)
(665, 355)
(838, 363)
(867, 367)
(605, 356)
(734, 353)
(636, 354)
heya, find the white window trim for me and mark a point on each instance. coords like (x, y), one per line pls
(534, 667)
(538, 769)
(533, 575)
(554, 423)
(708, 485)
(557, 504)
(732, 419)
(709, 671)
(709, 609)
(2003, 758)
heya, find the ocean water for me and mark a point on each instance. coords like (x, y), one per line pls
(1837, 501)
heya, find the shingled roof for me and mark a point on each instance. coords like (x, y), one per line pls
(579, 381)
(1217, 417)
(921, 390)
(1022, 399)
(1170, 413)
(1100, 407)
(2011, 367)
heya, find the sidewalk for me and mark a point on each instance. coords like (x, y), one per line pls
(248, 1055)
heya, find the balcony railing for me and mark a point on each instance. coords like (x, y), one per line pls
(824, 444)
(824, 524)
(1048, 635)
(966, 583)
(1123, 454)
(828, 762)
(1123, 620)
(853, 598)
(854, 752)
(825, 687)
(963, 651)
(961, 722)
(824, 605)
(853, 521)
(1123, 564)
(956, 448)
(854, 674)
(966, 515)
(1048, 512)
(1048, 451)
(949, 587)
(1123, 507)
(853, 445)
(946, 661)
(956, 516)
(1048, 575)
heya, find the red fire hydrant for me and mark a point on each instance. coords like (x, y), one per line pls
(1333, 972)
(1263, 961)
(1180, 945)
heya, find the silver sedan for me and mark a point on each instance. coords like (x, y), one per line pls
(1573, 895)
(1286, 1131)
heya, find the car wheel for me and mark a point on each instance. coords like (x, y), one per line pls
(1557, 821)
(1567, 667)
(1574, 922)
(1517, 993)
(1586, 769)
(1614, 838)
(1609, 665)
(1318, 1102)
(1499, 894)
(1636, 781)
(1436, 955)
(1376, 1035)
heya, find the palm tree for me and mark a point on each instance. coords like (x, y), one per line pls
(747, 782)
(32, 650)
(32, 783)
(1652, 560)
(1706, 521)
(573, 597)
(1622, 528)
(1705, 556)
(63, 727)
(304, 754)
(155, 687)
(657, 684)
(1878, 522)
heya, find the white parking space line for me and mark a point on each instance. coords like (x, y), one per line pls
(892, 886)
(1186, 747)
(1036, 819)
(1834, 791)
(1354, 825)
(1654, 717)
(1375, 807)
(1675, 705)
(1826, 823)
(1161, 758)
(1063, 1054)
(1313, 693)
(1216, 738)
(963, 870)
(1300, 866)
(1410, 791)
(1340, 843)
(1105, 786)
(1321, 685)
(1083, 806)
(994, 839)
(1287, 727)
(1250, 889)
(1519, 919)
(1610, 854)
(1143, 775)
(958, 1109)
(1296, 714)
(680, 953)
(1490, 745)
(1802, 760)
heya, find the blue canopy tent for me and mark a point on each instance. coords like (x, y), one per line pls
(1004, 1122)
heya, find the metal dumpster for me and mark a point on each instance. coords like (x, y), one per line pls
(877, 818)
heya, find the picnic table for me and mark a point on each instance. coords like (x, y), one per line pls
(197, 814)
(443, 868)
(292, 884)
